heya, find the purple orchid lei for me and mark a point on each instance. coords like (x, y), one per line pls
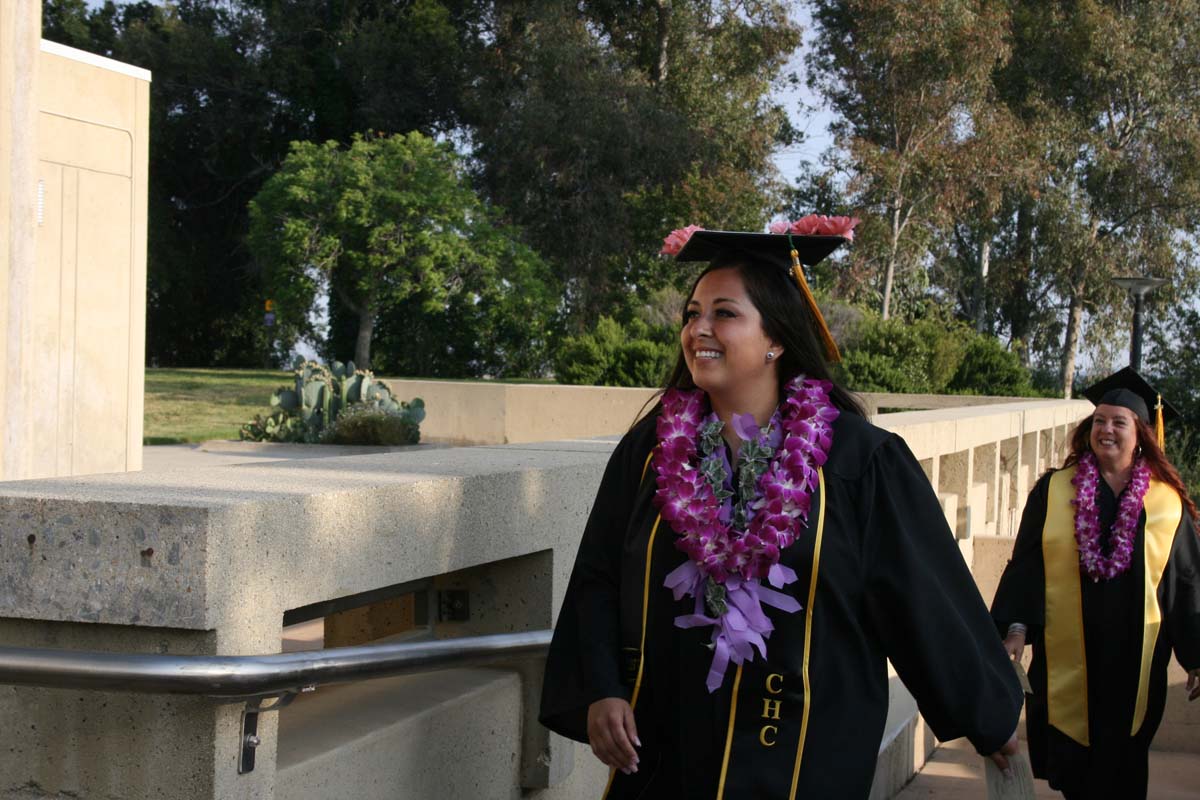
(732, 547)
(1087, 518)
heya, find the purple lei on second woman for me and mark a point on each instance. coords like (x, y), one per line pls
(733, 546)
(1087, 518)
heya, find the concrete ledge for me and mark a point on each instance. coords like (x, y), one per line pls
(212, 548)
(283, 450)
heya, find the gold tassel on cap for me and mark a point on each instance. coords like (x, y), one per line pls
(831, 348)
(1158, 425)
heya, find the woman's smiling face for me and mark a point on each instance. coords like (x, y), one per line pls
(723, 341)
(1114, 435)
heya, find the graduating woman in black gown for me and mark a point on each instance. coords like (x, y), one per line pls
(756, 553)
(1104, 582)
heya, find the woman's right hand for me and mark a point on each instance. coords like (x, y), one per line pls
(612, 733)
(1014, 645)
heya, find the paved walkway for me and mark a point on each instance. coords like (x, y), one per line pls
(955, 772)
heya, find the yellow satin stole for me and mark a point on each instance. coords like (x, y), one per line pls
(1066, 665)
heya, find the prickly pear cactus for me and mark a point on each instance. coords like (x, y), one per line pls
(307, 410)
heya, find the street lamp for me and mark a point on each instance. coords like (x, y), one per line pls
(1138, 288)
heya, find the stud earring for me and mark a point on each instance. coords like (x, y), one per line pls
(770, 356)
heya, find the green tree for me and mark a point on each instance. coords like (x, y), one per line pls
(380, 222)
(500, 321)
(235, 82)
(1173, 367)
(603, 125)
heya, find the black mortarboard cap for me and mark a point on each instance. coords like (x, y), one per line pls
(774, 247)
(1128, 389)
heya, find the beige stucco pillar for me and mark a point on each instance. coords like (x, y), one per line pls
(74, 133)
(20, 36)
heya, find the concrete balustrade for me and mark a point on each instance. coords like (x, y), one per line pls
(209, 560)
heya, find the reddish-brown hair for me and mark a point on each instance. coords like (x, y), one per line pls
(1156, 459)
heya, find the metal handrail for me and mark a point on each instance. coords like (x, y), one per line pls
(241, 677)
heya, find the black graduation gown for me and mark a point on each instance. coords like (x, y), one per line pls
(1115, 762)
(887, 581)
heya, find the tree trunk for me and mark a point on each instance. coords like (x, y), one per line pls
(985, 254)
(659, 73)
(1018, 301)
(889, 273)
(1071, 340)
(362, 344)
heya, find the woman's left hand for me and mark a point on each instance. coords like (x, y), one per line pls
(1193, 684)
(1000, 757)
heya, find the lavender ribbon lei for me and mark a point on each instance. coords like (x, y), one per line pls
(744, 626)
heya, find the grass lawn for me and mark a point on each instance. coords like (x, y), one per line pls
(195, 405)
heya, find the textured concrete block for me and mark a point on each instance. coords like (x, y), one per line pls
(453, 734)
(118, 744)
(114, 563)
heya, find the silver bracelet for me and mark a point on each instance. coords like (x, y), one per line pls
(1017, 627)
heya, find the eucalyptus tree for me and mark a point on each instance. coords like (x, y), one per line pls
(906, 81)
(1114, 87)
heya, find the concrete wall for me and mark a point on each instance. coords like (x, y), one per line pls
(466, 413)
(208, 561)
(74, 132)
(89, 296)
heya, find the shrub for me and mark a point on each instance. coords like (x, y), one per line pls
(930, 356)
(865, 371)
(987, 368)
(612, 354)
(363, 424)
(903, 357)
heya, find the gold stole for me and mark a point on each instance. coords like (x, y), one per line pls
(1066, 665)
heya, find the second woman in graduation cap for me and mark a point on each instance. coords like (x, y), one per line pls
(1104, 582)
(756, 553)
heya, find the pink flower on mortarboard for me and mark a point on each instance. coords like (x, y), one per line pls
(677, 238)
(821, 225)
(780, 226)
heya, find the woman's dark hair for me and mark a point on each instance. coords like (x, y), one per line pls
(1156, 459)
(785, 319)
